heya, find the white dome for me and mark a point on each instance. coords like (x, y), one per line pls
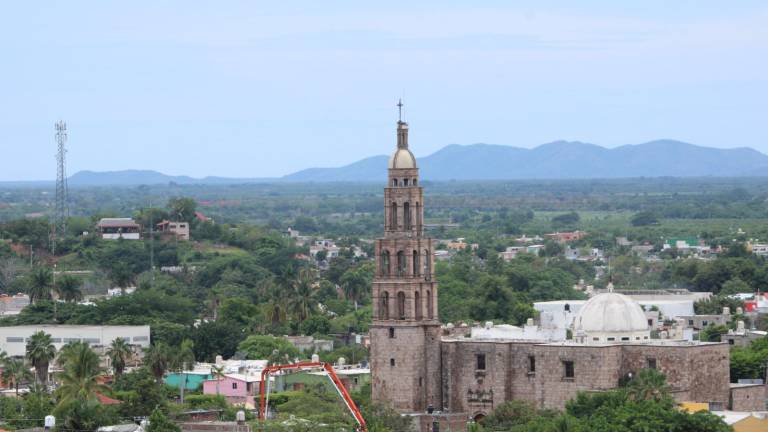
(611, 313)
(402, 159)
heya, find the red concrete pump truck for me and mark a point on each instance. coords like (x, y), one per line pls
(328, 368)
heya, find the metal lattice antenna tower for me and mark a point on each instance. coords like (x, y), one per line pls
(62, 206)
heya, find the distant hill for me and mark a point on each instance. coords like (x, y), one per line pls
(146, 177)
(555, 160)
(560, 160)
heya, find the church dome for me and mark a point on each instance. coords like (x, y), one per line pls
(402, 158)
(611, 317)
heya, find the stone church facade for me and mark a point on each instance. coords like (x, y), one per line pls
(445, 379)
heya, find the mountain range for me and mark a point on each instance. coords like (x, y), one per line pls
(560, 160)
(555, 160)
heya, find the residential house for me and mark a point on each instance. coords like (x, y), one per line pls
(178, 229)
(238, 389)
(115, 228)
(565, 237)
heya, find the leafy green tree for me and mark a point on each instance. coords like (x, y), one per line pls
(357, 281)
(119, 353)
(39, 284)
(158, 422)
(302, 301)
(649, 385)
(212, 338)
(182, 209)
(68, 289)
(40, 352)
(644, 218)
(277, 349)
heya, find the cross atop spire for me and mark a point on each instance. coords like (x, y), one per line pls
(400, 110)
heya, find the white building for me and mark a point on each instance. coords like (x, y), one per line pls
(330, 248)
(13, 340)
(529, 331)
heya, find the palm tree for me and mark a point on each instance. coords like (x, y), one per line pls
(40, 353)
(119, 353)
(302, 301)
(184, 360)
(39, 284)
(15, 372)
(218, 373)
(157, 358)
(79, 380)
(68, 289)
(648, 384)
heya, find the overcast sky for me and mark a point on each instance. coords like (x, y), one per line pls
(252, 89)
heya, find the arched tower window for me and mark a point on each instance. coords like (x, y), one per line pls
(407, 216)
(417, 304)
(416, 263)
(393, 216)
(385, 263)
(430, 306)
(418, 216)
(401, 305)
(384, 305)
(415, 182)
(427, 265)
(394, 182)
(405, 182)
(400, 263)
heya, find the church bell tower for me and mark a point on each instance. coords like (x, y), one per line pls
(405, 333)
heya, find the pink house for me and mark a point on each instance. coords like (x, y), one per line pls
(237, 388)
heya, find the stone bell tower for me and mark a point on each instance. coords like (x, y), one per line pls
(405, 333)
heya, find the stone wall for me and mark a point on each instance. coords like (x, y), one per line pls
(695, 372)
(748, 397)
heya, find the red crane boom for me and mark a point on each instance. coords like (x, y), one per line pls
(337, 384)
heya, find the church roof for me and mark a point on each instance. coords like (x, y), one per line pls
(611, 313)
(402, 158)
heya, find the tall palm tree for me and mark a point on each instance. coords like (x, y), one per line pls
(218, 373)
(303, 299)
(15, 372)
(79, 380)
(119, 353)
(68, 289)
(40, 353)
(158, 359)
(39, 284)
(184, 360)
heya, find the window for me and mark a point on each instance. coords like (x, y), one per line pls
(401, 305)
(567, 307)
(385, 308)
(415, 263)
(625, 338)
(14, 339)
(480, 361)
(690, 323)
(731, 341)
(394, 182)
(611, 339)
(140, 338)
(651, 363)
(401, 263)
(391, 362)
(421, 381)
(704, 323)
(415, 182)
(393, 216)
(568, 371)
(391, 332)
(234, 386)
(407, 216)
(595, 339)
(650, 323)
(405, 182)
(385, 263)
(430, 311)
(532, 364)
(417, 304)
(427, 264)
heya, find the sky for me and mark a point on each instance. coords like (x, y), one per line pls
(263, 89)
